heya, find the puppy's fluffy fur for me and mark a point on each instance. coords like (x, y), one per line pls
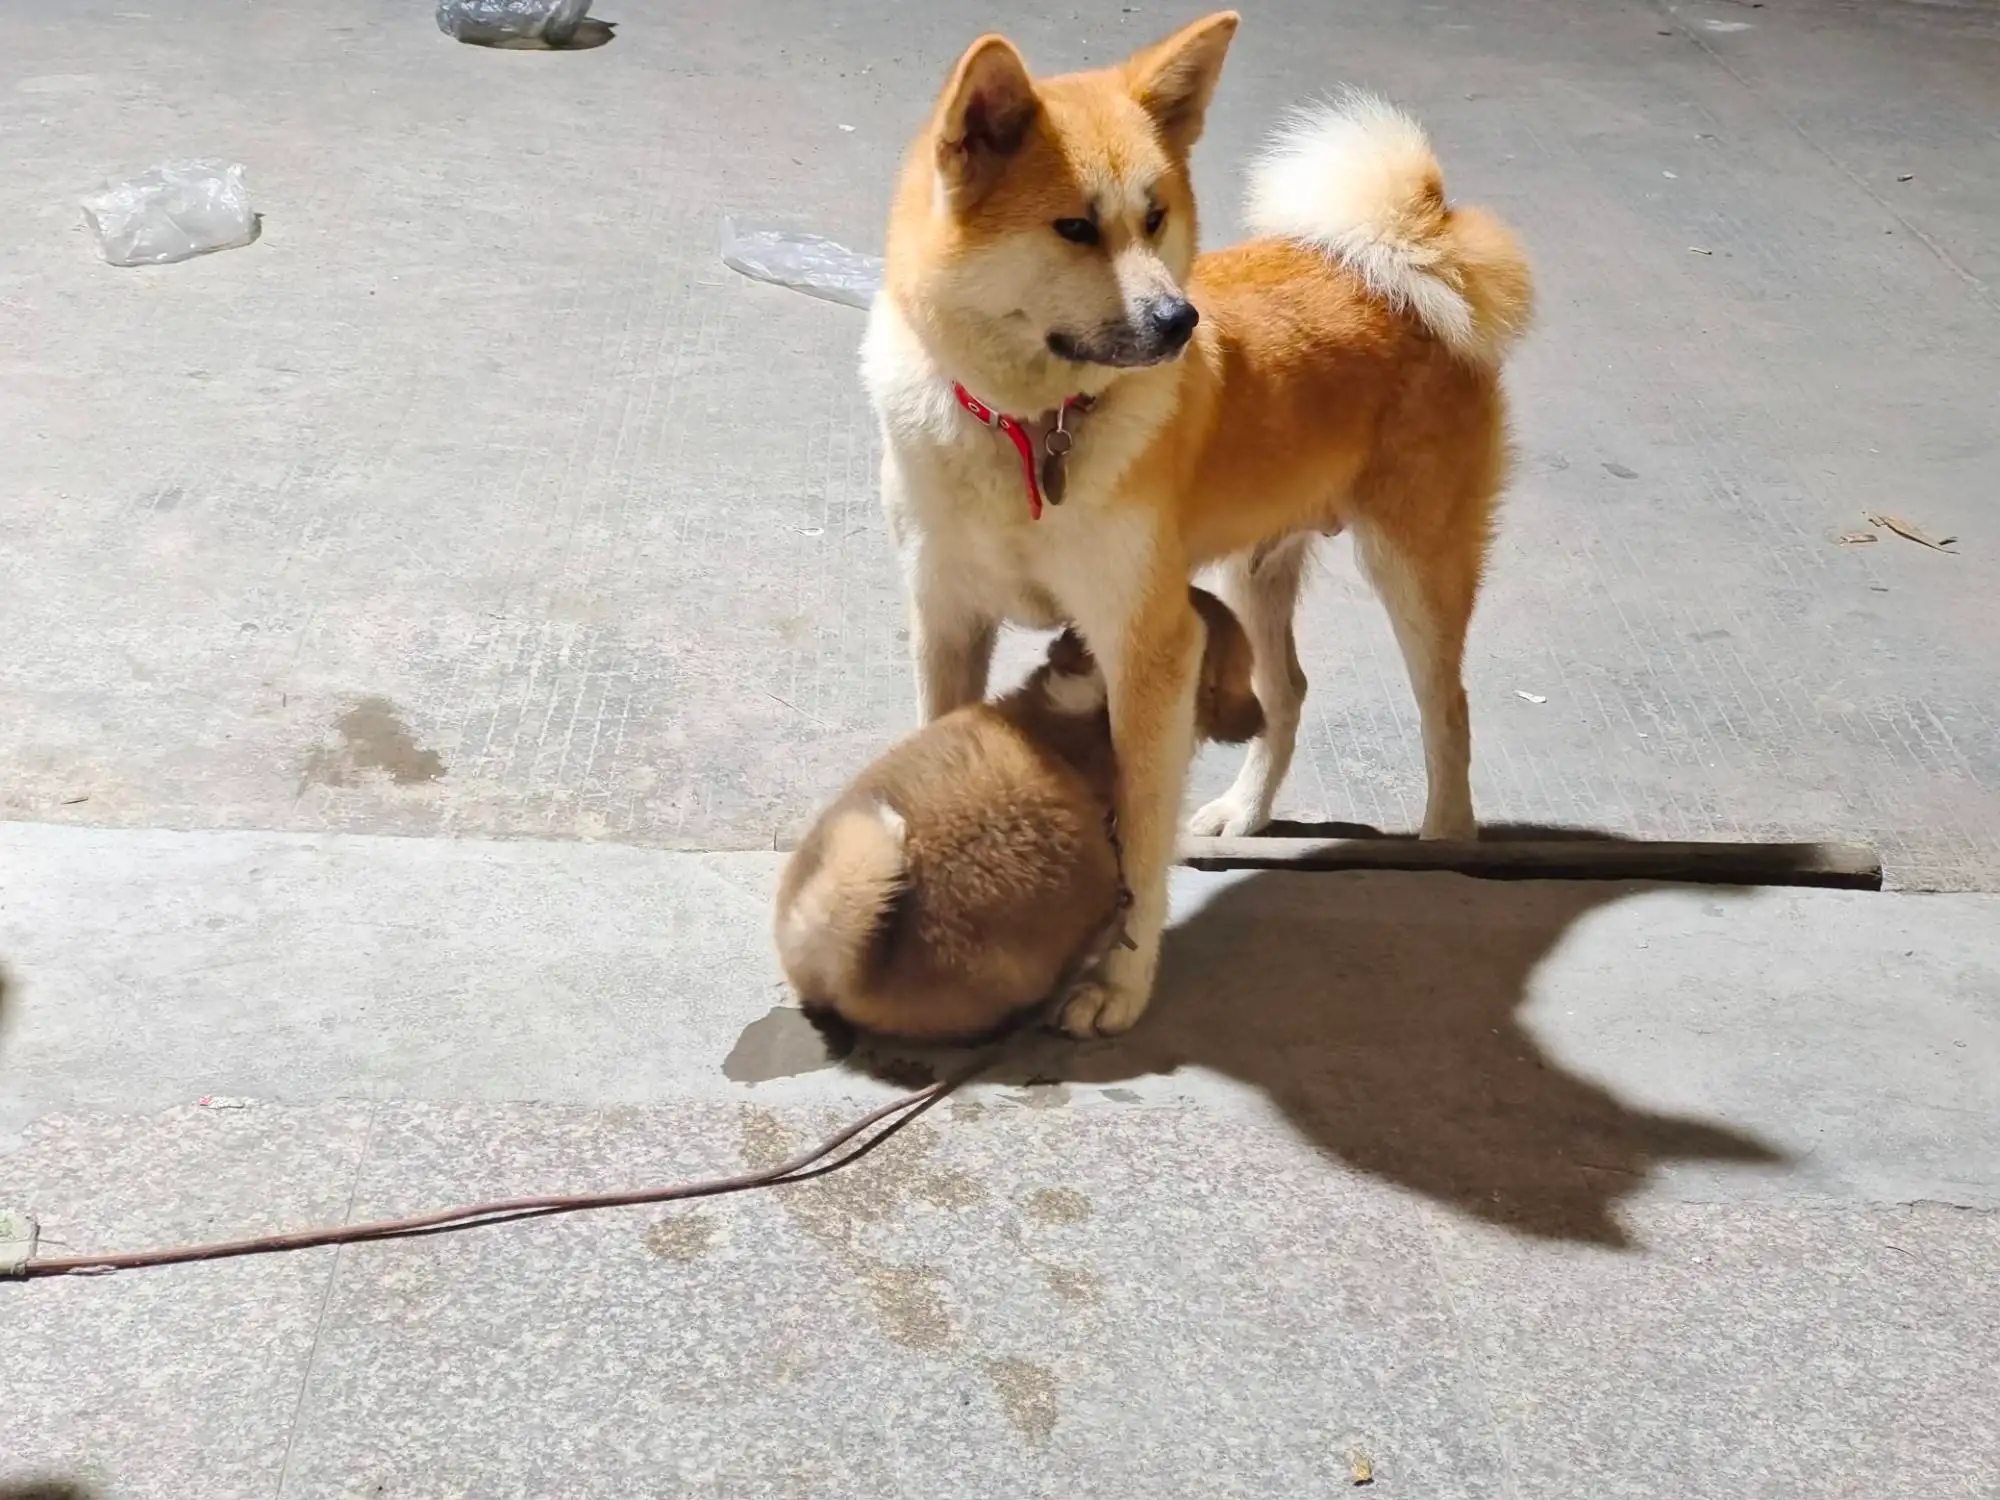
(969, 874)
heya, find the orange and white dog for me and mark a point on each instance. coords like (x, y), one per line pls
(1046, 333)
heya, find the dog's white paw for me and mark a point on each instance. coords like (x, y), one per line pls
(1095, 1008)
(1228, 818)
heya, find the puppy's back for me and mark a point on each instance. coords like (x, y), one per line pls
(997, 875)
(969, 870)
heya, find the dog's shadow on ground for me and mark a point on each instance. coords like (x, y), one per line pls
(1380, 1013)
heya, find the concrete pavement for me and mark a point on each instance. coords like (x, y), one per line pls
(1511, 1187)
(414, 625)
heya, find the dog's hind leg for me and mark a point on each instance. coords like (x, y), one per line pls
(1262, 588)
(1429, 581)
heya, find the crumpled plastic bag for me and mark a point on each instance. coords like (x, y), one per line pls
(804, 262)
(171, 212)
(495, 22)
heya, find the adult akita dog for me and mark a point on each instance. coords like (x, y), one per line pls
(1078, 411)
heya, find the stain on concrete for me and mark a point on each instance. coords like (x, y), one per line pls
(781, 1043)
(373, 741)
(1619, 471)
(1058, 1206)
(683, 1238)
(909, 1304)
(1074, 1284)
(1123, 1096)
(1027, 1394)
(836, 1210)
(967, 1111)
(765, 1139)
(833, 1207)
(951, 1189)
(1041, 1096)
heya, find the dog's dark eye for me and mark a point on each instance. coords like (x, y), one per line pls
(1154, 220)
(1077, 231)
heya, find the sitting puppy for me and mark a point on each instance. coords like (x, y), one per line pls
(972, 873)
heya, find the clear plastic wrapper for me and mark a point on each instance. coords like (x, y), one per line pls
(171, 212)
(804, 262)
(494, 23)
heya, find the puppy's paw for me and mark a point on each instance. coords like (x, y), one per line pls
(1228, 818)
(1095, 1008)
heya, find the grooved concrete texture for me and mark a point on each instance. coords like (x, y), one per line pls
(478, 497)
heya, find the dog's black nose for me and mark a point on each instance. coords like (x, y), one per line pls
(1172, 320)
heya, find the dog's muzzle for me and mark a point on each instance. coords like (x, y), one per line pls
(1157, 333)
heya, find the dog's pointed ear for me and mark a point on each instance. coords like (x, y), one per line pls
(983, 116)
(1173, 79)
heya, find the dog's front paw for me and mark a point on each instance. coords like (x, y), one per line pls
(1095, 1008)
(1229, 818)
(1461, 826)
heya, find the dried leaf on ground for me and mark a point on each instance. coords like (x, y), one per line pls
(1910, 530)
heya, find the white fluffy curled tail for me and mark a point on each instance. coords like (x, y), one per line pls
(1356, 179)
(828, 922)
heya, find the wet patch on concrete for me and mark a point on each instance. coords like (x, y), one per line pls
(908, 1301)
(1073, 1283)
(909, 1304)
(683, 1238)
(373, 742)
(1058, 1206)
(951, 1189)
(832, 1208)
(1040, 1096)
(1027, 1393)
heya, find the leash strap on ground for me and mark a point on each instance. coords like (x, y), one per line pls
(892, 1117)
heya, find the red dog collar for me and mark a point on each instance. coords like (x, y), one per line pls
(1055, 445)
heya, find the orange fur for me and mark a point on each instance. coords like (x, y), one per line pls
(1344, 375)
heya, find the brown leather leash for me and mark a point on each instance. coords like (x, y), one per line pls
(891, 1117)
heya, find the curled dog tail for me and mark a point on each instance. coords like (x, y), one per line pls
(836, 896)
(1356, 179)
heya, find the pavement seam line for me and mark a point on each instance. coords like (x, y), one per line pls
(1468, 1359)
(325, 1301)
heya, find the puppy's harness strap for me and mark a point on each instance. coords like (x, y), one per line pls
(1057, 443)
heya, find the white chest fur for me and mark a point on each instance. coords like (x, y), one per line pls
(957, 495)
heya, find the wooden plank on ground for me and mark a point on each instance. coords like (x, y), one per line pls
(1843, 866)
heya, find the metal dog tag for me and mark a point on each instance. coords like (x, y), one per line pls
(1055, 466)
